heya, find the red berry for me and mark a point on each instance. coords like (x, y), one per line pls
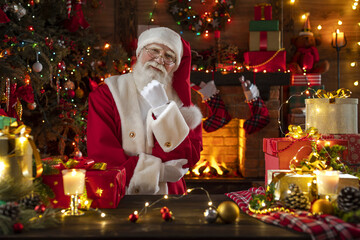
(40, 208)
(167, 216)
(164, 210)
(133, 217)
(18, 227)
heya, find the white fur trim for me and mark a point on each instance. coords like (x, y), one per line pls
(170, 128)
(145, 179)
(192, 116)
(162, 35)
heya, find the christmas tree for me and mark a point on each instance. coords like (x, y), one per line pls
(50, 60)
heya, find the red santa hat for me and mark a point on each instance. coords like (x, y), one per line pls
(161, 35)
(307, 28)
(168, 37)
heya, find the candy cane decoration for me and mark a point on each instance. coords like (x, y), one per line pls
(68, 7)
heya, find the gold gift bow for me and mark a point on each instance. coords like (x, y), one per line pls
(25, 131)
(340, 93)
(296, 132)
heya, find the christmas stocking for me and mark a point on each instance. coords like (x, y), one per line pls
(218, 113)
(259, 112)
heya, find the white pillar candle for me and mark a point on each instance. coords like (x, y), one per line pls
(74, 181)
(327, 182)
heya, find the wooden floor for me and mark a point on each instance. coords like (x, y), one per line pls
(189, 223)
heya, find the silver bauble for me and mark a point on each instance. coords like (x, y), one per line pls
(37, 67)
(210, 215)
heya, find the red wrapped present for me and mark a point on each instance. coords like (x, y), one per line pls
(308, 79)
(270, 61)
(265, 41)
(104, 188)
(263, 11)
(353, 157)
(280, 151)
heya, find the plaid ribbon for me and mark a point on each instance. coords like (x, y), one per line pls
(319, 227)
(259, 116)
(218, 116)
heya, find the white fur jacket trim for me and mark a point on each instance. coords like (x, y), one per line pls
(146, 176)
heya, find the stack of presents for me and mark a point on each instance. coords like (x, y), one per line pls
(329, 121)
(265, 53)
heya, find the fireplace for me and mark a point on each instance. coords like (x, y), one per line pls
(230, 148)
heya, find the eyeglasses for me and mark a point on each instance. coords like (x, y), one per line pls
(156, 53)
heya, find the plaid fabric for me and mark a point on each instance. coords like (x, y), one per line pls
(319, 227)
(218, 114)
(259, 116)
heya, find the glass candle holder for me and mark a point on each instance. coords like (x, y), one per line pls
(327, 182)
(74, 183)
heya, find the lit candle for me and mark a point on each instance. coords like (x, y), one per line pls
(338, 38)
(327, 182)
(74, 181)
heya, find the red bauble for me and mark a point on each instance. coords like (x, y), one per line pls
(61, 65)
(71, 93)
(167, 216)
(40, 208)
(31, 106)
(133, 217)
(164, 210)
(18, 227)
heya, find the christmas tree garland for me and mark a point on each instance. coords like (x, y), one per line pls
(189, 19)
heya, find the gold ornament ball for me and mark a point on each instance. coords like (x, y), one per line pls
(228, 211)
(79, 93)
(322, 206)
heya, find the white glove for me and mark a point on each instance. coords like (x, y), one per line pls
(154, 93)
(172, 171)
(208, 90)
(250, 90)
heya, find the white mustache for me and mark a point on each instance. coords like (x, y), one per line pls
(156, 65)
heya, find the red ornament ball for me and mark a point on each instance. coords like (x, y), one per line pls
(133, 217)
(167, 216)
(164, 210)
(40, 208)
(71, 93)
(61, 66)
(31, 106)
(18, 227)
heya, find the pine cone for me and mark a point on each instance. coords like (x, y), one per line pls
(296, 199)
(30, 201)
(10, 209)
(349, 199)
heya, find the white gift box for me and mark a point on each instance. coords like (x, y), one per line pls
(332, 116)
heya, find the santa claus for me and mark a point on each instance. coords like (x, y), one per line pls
(144, 121)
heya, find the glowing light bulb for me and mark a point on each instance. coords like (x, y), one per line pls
(319, 27)
(352, 64)
(356, 83)
(292, 1)
(339, 22)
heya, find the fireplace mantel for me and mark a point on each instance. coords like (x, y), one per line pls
(262, 80)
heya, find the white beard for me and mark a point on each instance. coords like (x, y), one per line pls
(144, 74)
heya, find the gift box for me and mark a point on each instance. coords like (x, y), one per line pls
(270, 61)
(304, 182)
(308, 79)
(265, 41)
(280, 151)
(264, 25)
(298, 101)
(339, 114)
(104, 188)
(263, 11)
(6, 121)
(353, 158)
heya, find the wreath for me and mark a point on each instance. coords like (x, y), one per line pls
(209, 21)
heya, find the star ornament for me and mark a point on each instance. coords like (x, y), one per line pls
(99, 191)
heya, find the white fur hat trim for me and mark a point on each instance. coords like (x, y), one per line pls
(161, 35)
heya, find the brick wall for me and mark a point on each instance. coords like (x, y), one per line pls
(230, 144)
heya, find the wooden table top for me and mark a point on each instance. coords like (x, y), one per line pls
(189, 223)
